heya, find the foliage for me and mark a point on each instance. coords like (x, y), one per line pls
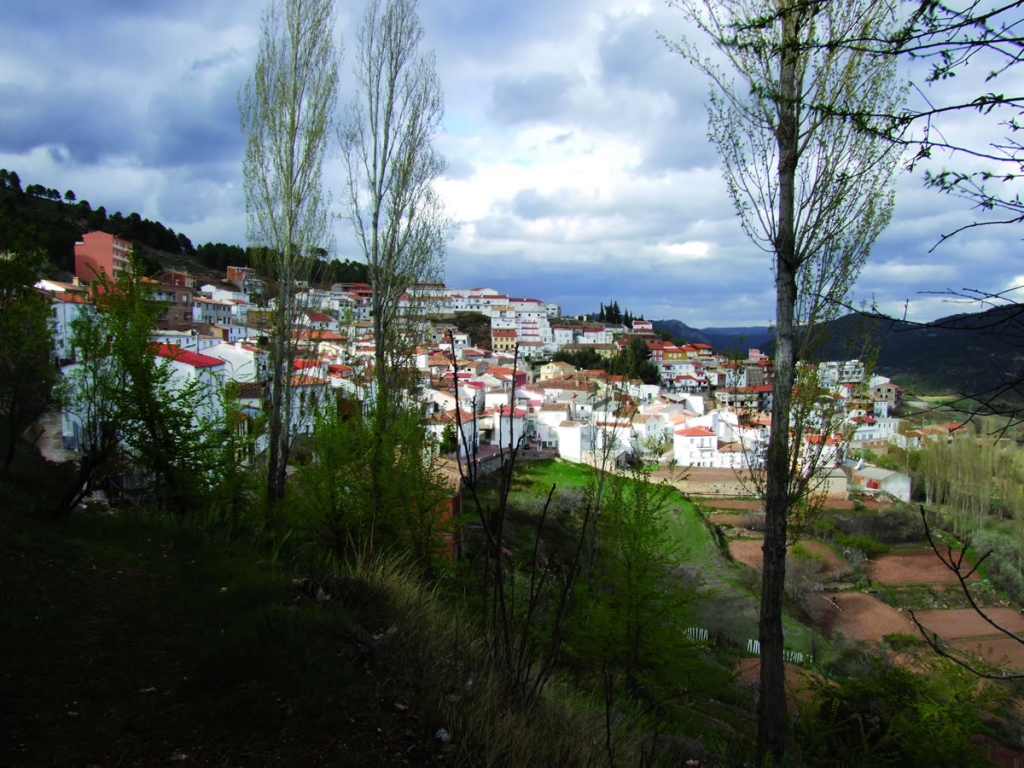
(585, 359)
(611, 313)
(1003, 564)
(972, 479)
(220, 256)
(890, 715)
(813, 192)
(27, 373)
(123, 399)
(387, 141)
(287, 110)
(347, 271)
(337, 500)
(635, 604)
(861, 543)
(477, 325)
(634, 362)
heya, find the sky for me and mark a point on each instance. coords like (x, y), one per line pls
(579, 166)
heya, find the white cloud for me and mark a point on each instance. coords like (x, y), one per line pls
(580, 166)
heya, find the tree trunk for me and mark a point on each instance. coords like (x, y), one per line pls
(771, 730)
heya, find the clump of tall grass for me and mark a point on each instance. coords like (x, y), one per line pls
(471, 698)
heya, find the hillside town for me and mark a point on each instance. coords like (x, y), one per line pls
(709, 410)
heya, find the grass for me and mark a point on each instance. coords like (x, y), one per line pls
(686, 525)
(544, 474)
(127, 641)
(137, 640)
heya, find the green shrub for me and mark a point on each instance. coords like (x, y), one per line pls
(801, 552)
(891, 716)
(1000, 566)
(865, 544)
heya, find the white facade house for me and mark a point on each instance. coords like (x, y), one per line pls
(310, 394)
(65, 309)
(575, 440)
(242, 362)
(506, 425)
(208, 372)
(695, 447)
(468, 438)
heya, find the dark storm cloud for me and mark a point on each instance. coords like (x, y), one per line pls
(491, 30)
(90, 125)
(196, 123)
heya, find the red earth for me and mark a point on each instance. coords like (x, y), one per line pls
(968, 631)
(753, 504)
(864, 617)
(920, 566)
(748, 552)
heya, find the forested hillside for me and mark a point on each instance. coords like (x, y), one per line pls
(32, 215)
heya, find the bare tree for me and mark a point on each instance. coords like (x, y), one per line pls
(287, 111)
(387, 140)
(811, 190)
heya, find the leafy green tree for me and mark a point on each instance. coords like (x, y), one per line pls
(634, 362)
(69, 196)
(632, 606)
(164, 421)
(124, 402)
(583, 359)
(27, 373)
(636, 604)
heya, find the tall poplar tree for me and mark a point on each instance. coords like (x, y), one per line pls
(398, 219)
(813, 190)
(287, 110)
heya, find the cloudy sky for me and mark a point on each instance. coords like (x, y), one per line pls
(579, 164)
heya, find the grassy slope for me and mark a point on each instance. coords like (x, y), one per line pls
(728, 606)
(131, 643)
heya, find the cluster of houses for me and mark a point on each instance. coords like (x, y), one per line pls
(709, 411)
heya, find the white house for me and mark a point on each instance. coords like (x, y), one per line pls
(873, 480)
(695, 447)
(310, 393)
(469, 436)
(242, 362)
(187, 367)
(507, 425)
(575, 440)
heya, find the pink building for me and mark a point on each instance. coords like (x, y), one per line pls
(100, 252)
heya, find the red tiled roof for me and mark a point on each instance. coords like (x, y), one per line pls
(695, 432)
(194, 359)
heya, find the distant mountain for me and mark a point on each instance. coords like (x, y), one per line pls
(967, 354)
(738, 339)
(681, 331)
